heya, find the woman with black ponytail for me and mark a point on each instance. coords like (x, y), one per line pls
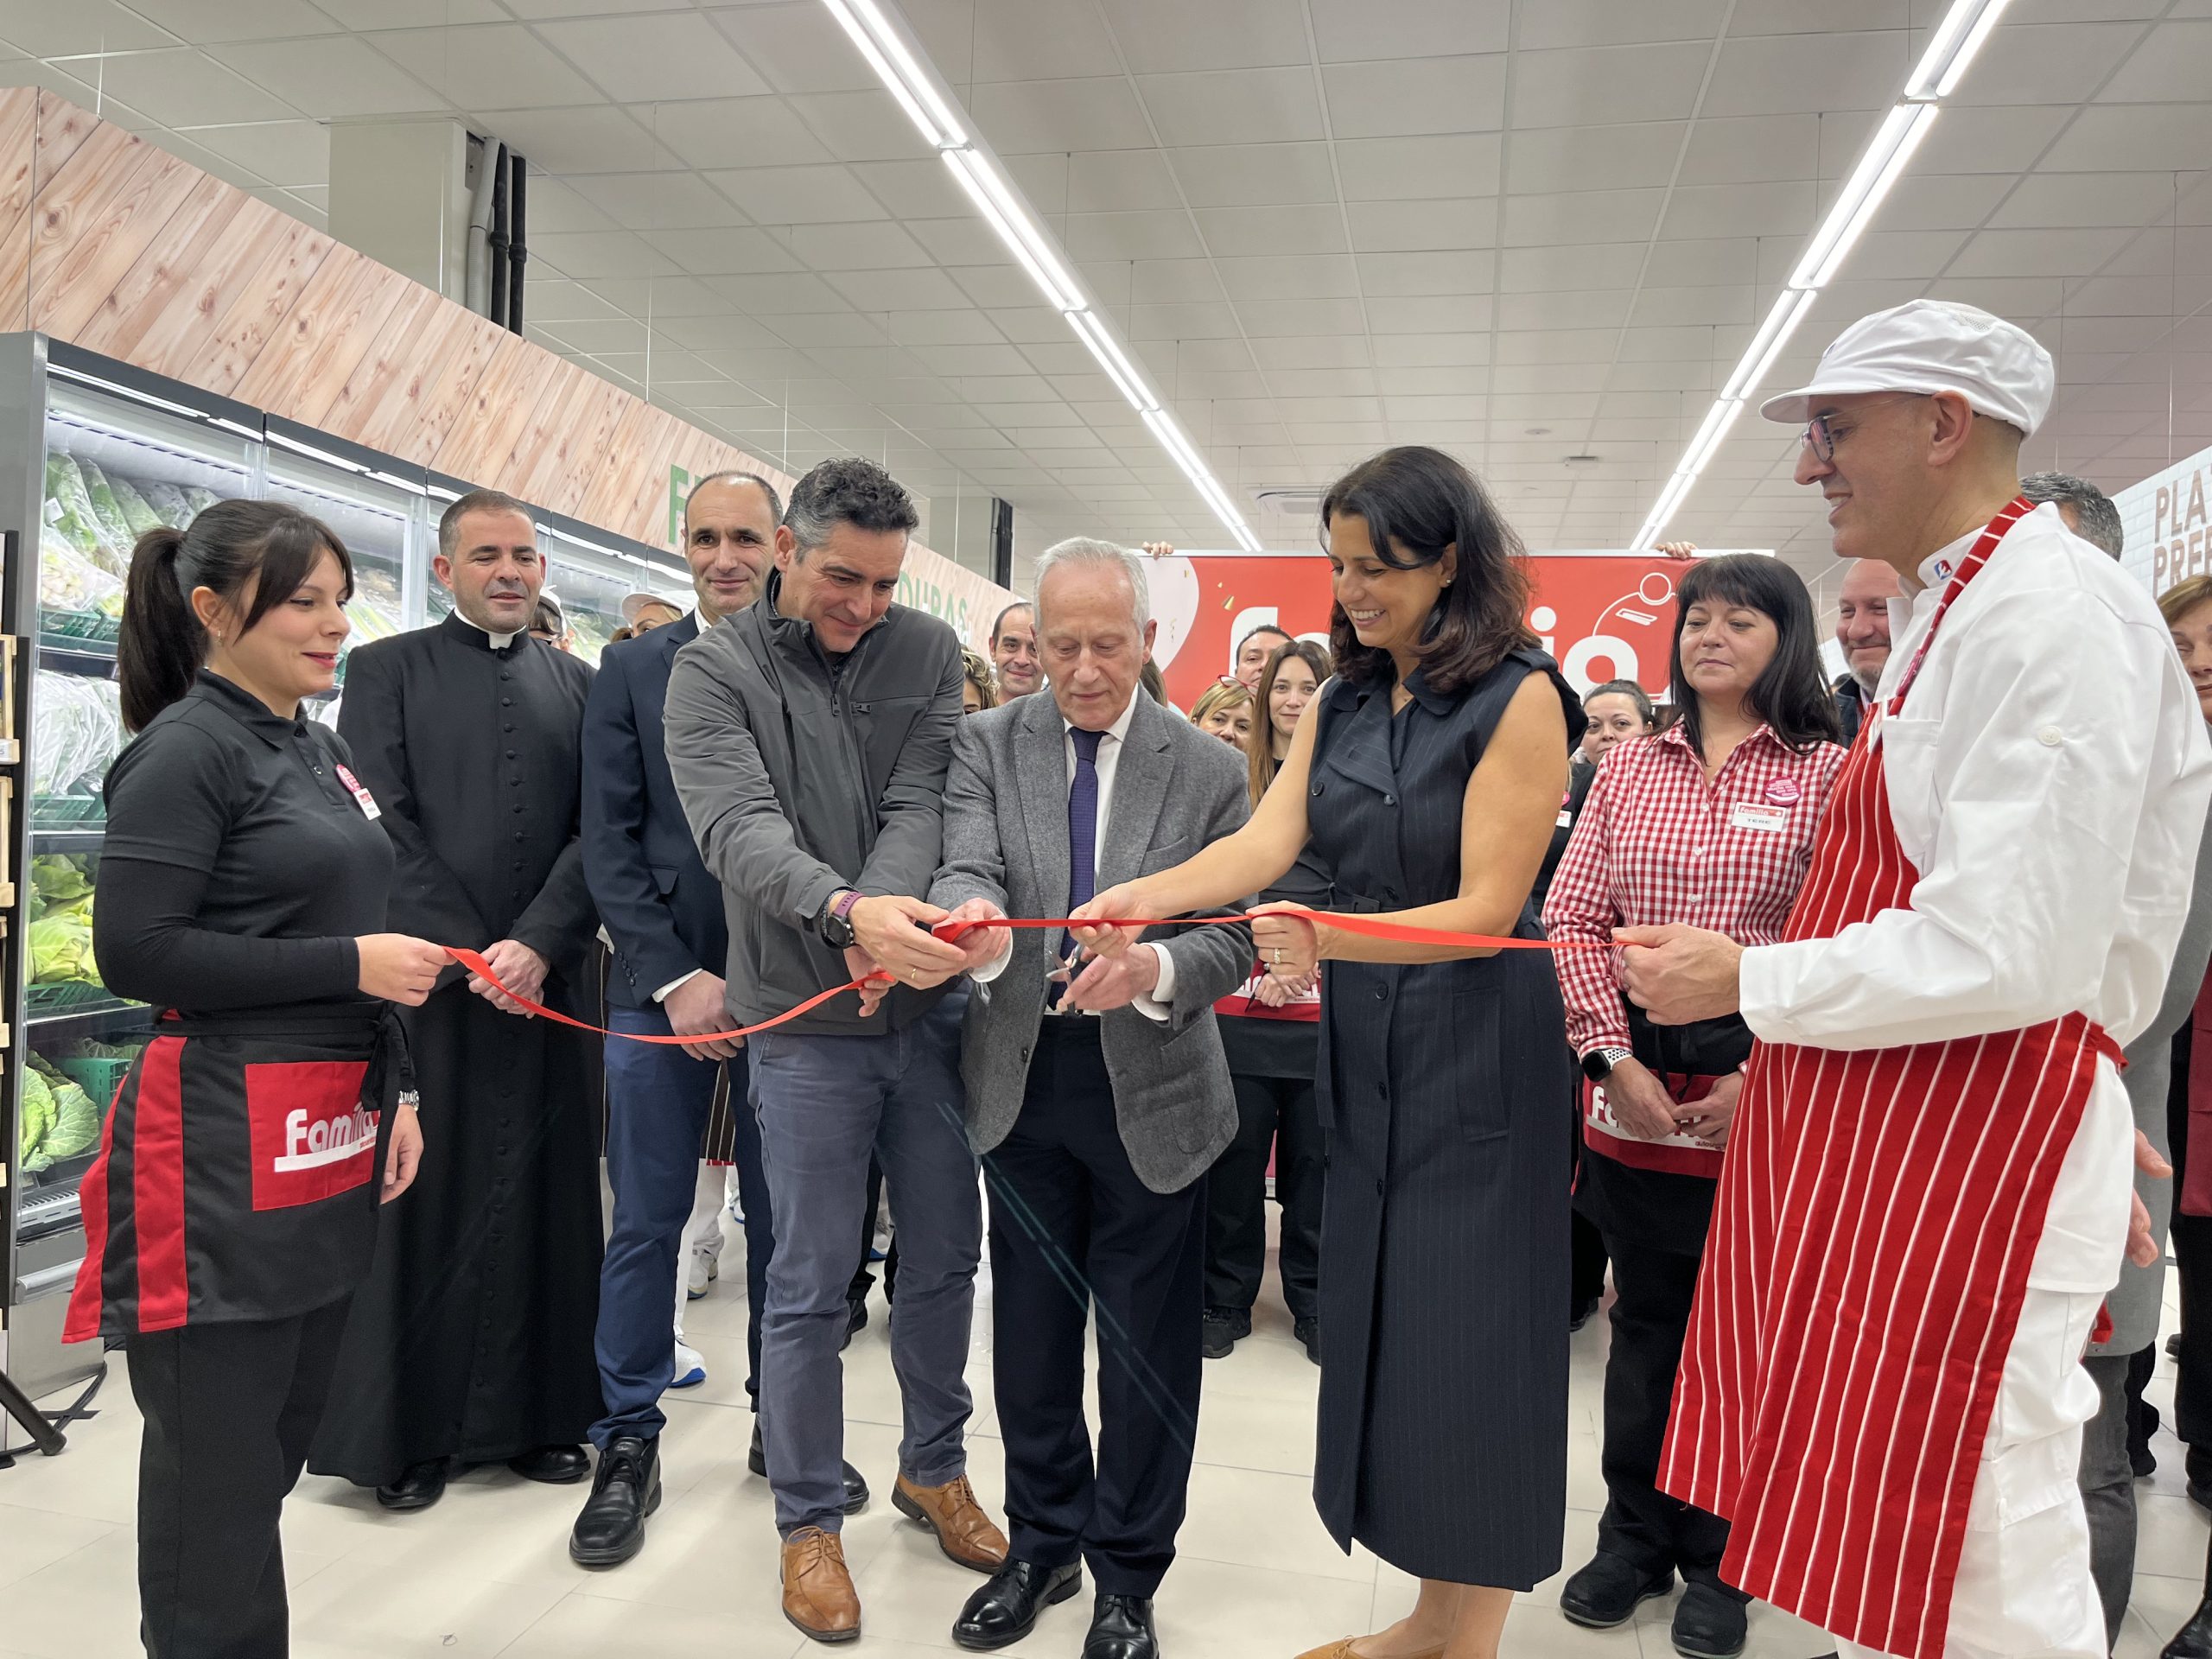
(241, 892)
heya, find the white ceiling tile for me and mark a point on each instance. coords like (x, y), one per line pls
(1676, 306)
(1338, 352)
(956, 241)
(1287, 318)
(332, 77)
(181, 87)
(1411, 169)
(1999, 140)
(2058, 63)
(798, 195)
(1596, 158)
(721, 335)
(1159, 35)
(1452, 271)
(1039, 40)
(494, 65)
(760, 131)
(2058, 201)
(1753, 149)
(1596, 307)
(1232, 106)
(1881, 253)
(1413, 227)
(1024, 117)
(1438, 350)
(1784, 209)
(45, 29)
(1155, 235)
(1000, 287)
(1411, 97)
(862, 246)
(282, 152)
(786, 293)
(724, 252)
(1119, 180)
(1715, 259)
(1784, 74)
(797, 48)
(1607, 23)
(1594, 264)
(864, 126)
(1351, 30)
(1429, 315)
(919, 189)
(597, 138)
(660, 56)
(655, 202)
(600, 253)
(1580, 216)
(1594, 85)
(1234, 230)
(1248, 175)
(1942, 201)
(1288, 276)
(1188, 320)
(2035, 253)
(1289, 384)
(2132, 138)
(658, 297)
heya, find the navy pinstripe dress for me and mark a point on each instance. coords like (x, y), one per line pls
(1444, 1239)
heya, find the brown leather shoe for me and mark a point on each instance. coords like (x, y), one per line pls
(963, 1532)
(819, 1593)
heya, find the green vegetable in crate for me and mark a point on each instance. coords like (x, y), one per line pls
(61, 950)
(70, 581)
(137, 512)
(115, 528)
(69, 511)
(168, 501)
(37, 1122)
(199, 500)
(60, 880)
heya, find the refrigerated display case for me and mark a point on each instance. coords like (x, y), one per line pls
(103, 453)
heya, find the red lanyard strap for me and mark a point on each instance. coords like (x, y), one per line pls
(1969, 568)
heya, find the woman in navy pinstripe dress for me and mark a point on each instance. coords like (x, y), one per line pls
(1427, 774)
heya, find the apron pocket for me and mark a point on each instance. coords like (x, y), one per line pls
(312, 1135)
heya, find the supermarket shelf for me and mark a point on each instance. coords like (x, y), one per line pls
(88, 656)
(75, 839)
(86, 1018)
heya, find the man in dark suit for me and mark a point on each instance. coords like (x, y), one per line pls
(1098, 1103)
(663, 915)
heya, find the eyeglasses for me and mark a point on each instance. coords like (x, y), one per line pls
(1821, 436)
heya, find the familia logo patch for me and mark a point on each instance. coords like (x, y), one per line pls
(312, 1136)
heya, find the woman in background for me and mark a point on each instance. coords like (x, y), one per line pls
(1710, 824)
(976, 690)
(242, 891)
(1294, 673)
(1225, 712)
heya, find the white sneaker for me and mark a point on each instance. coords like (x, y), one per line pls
(690, 1367)
(705, 1268)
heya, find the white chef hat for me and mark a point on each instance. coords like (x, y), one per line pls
(1930, 346)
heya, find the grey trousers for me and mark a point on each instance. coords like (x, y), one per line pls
(824, 1104)
(2108, 1490)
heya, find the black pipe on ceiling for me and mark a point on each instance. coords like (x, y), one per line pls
(517, 241)
(496, 239)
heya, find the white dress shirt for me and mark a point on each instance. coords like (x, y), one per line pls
(2048, 778)
(1159, 1003)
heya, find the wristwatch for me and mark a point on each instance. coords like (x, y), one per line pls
(836, 921)
(1598, 1064)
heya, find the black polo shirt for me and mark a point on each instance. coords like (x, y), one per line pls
(239, 866)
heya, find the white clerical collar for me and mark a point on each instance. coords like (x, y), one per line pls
(1119, 731)
(500, 641)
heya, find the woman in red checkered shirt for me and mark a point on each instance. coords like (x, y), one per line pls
(1710, 822)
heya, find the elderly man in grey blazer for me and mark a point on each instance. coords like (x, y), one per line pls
(1098, 1096)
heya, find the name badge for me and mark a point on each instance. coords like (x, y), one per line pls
(359, 791)
(1747, 815)
(1564, 821)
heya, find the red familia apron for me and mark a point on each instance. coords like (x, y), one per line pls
(1878, 1213)
(236, 1176)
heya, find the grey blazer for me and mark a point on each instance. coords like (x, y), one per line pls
(1006, 839)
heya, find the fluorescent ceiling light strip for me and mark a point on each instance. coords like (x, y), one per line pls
(1895, 140)
(1957, 39)
(1718, 419)
(895, 68)
(1766, 345)
(1011, 220)
(1194, 467)
(1122, 372)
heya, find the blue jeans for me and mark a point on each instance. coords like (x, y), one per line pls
(659, 1099)
(825, 1103)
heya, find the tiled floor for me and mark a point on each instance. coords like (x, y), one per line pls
(487, 1570)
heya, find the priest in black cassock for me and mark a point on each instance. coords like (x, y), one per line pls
(472, 1341)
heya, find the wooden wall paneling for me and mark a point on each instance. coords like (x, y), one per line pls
(74, 271)
(62, 127)
(587, 452)
(173, 339)
(457, 350)
(293, 255)
(506, 394)
(278, 375)
(392, 350)
(125, 315)
(539, 447)
(644, 515)
(18, 184)
(105, 154)
(616, 482)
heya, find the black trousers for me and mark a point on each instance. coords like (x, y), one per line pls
(1236, 1191)
(1073, 1228)
(1652, 1292)
(229, 1410)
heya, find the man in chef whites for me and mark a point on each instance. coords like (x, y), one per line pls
(1928, 1190)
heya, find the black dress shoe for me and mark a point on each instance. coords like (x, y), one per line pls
(1223, 1328)
(1606, 1592)
(556, 1465)
(2194, 1639)
(1121, 1628)
(756, 1459)
(855, 1321)
(625, 1490)
(419, 1487)
(1004, 1610)
(1308, 1332)
(1709, 1624)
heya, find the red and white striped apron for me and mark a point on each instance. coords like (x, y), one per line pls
(1877, 1216)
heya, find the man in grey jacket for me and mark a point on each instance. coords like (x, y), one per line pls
(1099, 1096)
(807, 738)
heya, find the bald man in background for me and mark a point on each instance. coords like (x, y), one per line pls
(1862, 628)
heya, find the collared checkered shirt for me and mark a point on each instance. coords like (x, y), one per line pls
(1657, 844)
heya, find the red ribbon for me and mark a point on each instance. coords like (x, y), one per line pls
(1371, 927)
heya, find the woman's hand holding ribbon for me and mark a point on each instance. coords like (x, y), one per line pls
(1114, 905)
(1289, 943)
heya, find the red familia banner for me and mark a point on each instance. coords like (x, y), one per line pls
(1604, 616)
